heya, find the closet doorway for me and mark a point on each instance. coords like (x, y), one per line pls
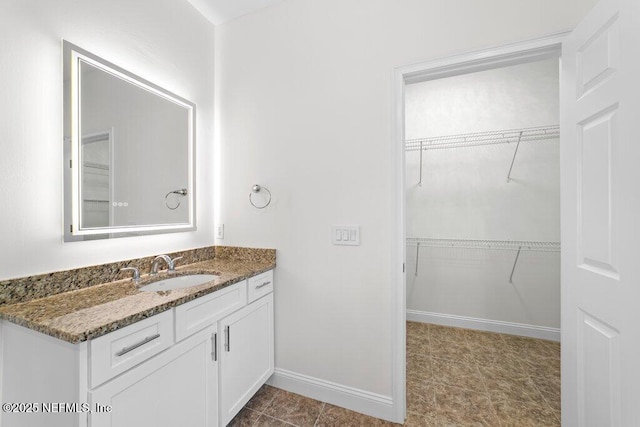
(453, 245)
(482, 178)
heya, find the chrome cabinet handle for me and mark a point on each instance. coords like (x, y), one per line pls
(141, 343)
(214, 343)
(227, 338)
(263, 285)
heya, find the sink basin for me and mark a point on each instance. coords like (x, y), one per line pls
(178, 282)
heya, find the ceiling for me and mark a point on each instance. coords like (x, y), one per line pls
(220, 11)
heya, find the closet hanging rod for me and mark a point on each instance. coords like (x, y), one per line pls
(541, 133)
(510, 245)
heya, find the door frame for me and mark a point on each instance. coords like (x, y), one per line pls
(546, 47)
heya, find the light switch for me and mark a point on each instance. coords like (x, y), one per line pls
(346, 235)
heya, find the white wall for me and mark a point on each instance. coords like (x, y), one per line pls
(304, 102)
(166, 42)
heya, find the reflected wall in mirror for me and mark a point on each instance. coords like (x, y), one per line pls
(129, 152)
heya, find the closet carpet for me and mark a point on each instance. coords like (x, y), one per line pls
(455, 377)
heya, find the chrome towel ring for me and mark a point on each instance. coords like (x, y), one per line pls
(181, 192)
(257, 189)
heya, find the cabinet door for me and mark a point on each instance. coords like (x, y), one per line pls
(174, 388)
(246, 356)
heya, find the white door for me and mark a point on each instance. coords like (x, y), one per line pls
(600, 164)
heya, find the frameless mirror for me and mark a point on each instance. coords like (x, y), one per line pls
(129, 152)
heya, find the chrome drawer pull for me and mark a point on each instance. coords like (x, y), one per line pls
(214, 344)
(263, 285)
(141, 343)
(227, 338)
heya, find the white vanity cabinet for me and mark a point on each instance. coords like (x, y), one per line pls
(196, 365)
(246, 357)
(176, 388)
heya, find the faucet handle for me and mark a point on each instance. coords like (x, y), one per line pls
(172, 265)
(136, 273)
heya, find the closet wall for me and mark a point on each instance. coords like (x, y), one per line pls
(464, 194)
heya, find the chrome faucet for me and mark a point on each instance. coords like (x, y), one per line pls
(170, 263)
(136, 273)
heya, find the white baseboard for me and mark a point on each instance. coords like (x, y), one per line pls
(364, 402)
(531, 331)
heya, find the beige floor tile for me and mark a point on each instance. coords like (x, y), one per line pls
(419, 367)
(457, 406)
(421, 420)
(493, 358)
(455, 350)
(245, 418)
(266, 421)
(334, 416)
(455, 377)
(294, 409)
(514, 389)
(417, 327)
(263, 397)
(459, 374)
(550, 389)
(518, 414)
(446, 333)
(540, 367)
(421, 397)
(529, 347)
(482, 337)
(504, 370)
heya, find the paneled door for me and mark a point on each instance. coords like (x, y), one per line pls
(600, 171)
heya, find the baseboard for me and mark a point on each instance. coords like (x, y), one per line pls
(531, 331)
(364, 402)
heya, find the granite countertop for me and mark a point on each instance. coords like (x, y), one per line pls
(87, 313)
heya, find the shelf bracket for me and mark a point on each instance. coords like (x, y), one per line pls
(420, 181)
(515, 262)
(417, 253)
(514, 156)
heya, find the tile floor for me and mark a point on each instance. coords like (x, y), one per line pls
(455, 377)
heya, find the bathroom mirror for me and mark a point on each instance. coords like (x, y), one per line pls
(129, 152)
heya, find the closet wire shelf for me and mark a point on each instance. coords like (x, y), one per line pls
(540, 133)
(508, 245)
(505, 245)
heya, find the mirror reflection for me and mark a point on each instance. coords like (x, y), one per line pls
(131, 152)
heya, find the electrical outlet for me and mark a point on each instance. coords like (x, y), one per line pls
(220, 231)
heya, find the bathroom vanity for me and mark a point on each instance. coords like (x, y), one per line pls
(112, 355)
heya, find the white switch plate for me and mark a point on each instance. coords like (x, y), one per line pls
(220, 231)
(348, 235)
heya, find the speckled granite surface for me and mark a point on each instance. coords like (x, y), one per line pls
(32, 287)
(97, 309)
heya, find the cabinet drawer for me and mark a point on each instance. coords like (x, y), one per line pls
(120, 350)
(206, 310)
(260, 285)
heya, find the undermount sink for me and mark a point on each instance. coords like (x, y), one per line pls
(178, 282)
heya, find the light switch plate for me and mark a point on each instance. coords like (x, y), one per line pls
(348, 235)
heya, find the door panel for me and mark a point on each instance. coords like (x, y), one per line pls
(596, 140)
(599, 378)
(600, 210)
